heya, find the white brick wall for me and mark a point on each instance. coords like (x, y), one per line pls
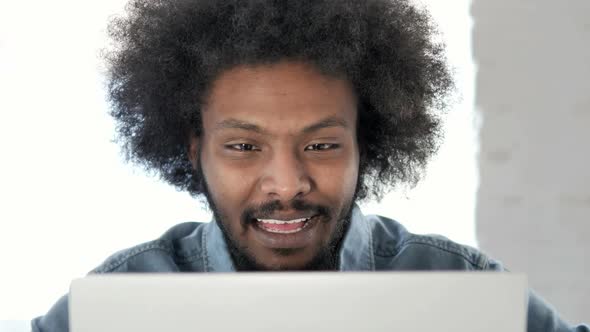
(533, 90)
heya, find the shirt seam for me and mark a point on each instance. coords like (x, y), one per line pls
(460, 253)
(371, 244)
(110, 267)
(189, 256)
(205, 252)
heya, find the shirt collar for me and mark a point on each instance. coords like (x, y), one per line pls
(216, 254)
(356, 253)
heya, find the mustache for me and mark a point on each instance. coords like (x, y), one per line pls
(265, 210)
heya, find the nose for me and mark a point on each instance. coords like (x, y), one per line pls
(285, 177)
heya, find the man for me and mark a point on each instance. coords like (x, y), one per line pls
(282, 114)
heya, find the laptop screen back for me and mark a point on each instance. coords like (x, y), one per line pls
(374, 301)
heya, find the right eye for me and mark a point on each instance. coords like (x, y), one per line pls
(242, 147)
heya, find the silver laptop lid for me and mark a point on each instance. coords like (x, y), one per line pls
(369, 301)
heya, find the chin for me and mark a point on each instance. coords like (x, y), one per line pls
(285, 260)
(299, 260)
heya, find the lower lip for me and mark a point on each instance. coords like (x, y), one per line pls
(295, 240)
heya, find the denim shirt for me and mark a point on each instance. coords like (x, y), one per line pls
(371, 243)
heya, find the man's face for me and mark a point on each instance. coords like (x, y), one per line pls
(280, 159)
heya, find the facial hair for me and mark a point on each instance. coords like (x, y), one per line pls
(327, 258)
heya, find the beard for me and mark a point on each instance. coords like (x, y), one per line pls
(327, 257)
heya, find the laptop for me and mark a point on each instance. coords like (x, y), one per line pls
(302, 301)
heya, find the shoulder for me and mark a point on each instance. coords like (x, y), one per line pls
(397, 248)
(177, 250)
(171, 252)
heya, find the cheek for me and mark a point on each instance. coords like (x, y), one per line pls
(339, 179)
(229, 183)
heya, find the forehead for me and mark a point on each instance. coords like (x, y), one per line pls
(282, 97)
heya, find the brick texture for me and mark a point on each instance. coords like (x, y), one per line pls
(533, 92)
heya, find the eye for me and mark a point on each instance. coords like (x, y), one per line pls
(243, 147)
(321, 147)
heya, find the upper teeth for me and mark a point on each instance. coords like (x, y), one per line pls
(274, 221)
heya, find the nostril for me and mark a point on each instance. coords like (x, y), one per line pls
(285, 177)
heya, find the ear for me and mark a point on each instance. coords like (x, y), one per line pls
(193, 150)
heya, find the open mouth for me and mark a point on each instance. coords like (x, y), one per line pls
(286, 232)
(283, 226)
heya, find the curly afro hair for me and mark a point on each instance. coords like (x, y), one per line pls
(167, 53)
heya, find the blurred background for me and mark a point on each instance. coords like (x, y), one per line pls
(512, 177)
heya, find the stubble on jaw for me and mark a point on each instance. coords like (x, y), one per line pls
(327, 258)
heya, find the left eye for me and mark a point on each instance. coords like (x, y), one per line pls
(242, 147)
(320, 147)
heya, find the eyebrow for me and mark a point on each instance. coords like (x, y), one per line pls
(238, 124)
(328, 122)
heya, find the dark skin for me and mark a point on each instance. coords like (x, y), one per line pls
(279, 133)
